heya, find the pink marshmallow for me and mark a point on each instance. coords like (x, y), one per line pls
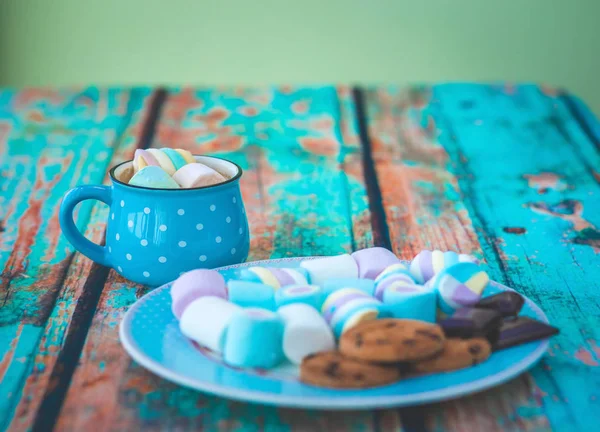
(197, 175)
(143, 158)
(195, 284)
(372, 261)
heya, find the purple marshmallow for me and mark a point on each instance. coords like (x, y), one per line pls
(373, 261)
(335, 305)
(195, 284)
(283, 277)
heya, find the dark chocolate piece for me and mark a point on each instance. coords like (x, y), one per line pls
(520, 330)
(508, 303)
(468, 323)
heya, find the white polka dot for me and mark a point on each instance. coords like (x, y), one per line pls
(181, 212)
(162, 259)
(147, 274)
(112, 216)
(182, 244)
(240, 230)
(218, 239)
(181, 273)
(146, 210)
(162, 227)
(109, 249)
(232, 251)
(144, 242)
(128, 256)
(117, 236)
(130, 224)
(199, 227)
(120, 269)
(202, 257)
(122, 203)
(228, 219)
(213, 207)
(234, 200)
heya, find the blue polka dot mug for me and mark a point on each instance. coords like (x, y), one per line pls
(154, 235)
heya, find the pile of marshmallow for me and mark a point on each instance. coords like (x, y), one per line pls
(167, 168)
(269, 314)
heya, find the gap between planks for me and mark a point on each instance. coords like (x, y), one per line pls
(412, 419)
(83, 314)
(588, 123)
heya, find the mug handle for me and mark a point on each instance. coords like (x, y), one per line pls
(73, 197)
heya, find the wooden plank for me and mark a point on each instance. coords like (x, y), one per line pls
(66, 329)
(304, 192)
(528, 174)
(588, 122)
(424, 209)
(49, 141)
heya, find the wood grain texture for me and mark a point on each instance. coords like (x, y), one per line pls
(509, 173)
(304, 193)
(524, 163)
(50, 141)
(425, 209)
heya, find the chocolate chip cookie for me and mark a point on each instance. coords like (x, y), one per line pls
(332, 369)
(457, 354)
(392, 340)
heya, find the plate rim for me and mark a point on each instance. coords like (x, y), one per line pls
(324, 402)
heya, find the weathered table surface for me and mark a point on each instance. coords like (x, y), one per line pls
(510, 173)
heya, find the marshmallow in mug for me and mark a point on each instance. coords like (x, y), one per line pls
(197, 175)
(167, 168)
(170, 160)
(305, 333)
(153, 177)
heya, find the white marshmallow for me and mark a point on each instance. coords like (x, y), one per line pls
(299, 278)
(197, 175)
(321, 269)
(305, 333)
(206, 319)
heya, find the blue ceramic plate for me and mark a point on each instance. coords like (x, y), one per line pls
(150, 334)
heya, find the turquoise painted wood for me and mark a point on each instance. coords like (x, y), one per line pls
(510, 173)
(529, 175)
(49, 141)
(300, 200)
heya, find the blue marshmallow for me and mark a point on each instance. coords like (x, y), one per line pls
(418, 304)
(354, 312)
(365, 285)
(249, 276)
(254, 339)
(311, 295)
(251, 294)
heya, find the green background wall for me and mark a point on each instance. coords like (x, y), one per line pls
(64, 42)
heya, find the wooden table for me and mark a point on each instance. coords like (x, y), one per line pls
(510, 173)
